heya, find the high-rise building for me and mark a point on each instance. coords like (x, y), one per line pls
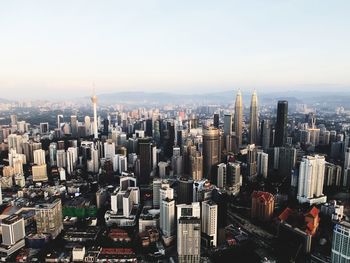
(13, 119)
(281, 123)
(15, 142)
(254, 120)
(87, 123)
(185, 191)
(145, 155)
(210, 222)
(265, 134)
(263, 204)
(332, 175)
(284, 160)
(72, 159)
(48, 217)
(12, 229)
(39, 173)
(211, 152)
(216, 120)
(222, 175)
(251, 160)
(196, 166)
(13, 234)
(262, 163)
(61, 159)
(238, 118)
(227, 124)
(74, 125)
(44, 128)
(53, 153)
(311, 180)
(94, 104)
(188, 233)
(157, 185)
(340, 243)
(109, 149)
(167, 211)
(233, 177)
(346, 177)
(39, 157)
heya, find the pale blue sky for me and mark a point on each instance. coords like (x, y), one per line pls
(172, 46)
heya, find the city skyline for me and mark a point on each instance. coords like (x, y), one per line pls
(162, 47)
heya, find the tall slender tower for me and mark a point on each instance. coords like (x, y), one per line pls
(238, 118)
(94, 104)
(253, 119)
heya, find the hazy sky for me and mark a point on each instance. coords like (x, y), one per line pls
(172, 46)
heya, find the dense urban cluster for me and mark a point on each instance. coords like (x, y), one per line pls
(212, 183)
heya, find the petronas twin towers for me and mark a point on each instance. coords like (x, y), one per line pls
(253, 119)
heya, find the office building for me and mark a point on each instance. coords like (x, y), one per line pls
(53, 153)
(265, 134)
(211, 152)
(281, 123)
(262, 163)
(188, 233)
(210, 222)
(12, 229)
(196, 166)
(145, 156)
(185, 191)
(340, 243)
(48, 218)
(216, 121)
(13, 234)
(346, 177)
(167, 214)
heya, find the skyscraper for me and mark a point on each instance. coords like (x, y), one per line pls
(216, 120)
(185, 191)
(189, 233)
(340, 243)
(145, 153)
(210, 222)
(167, 211)
(211, 152)
(94, 104)
(262, 163)
(281, 123)
(346, 177)
(311, 179)
(74, 125)
(238, 118)
(254, 120)
(265, 134)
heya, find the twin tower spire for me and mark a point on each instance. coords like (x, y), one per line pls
(253, 119)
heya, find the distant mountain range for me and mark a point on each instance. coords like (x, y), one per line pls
(223, 97)
(220, 97)
(163, 97)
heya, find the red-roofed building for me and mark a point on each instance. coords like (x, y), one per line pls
(263, 204)
(312, 221)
